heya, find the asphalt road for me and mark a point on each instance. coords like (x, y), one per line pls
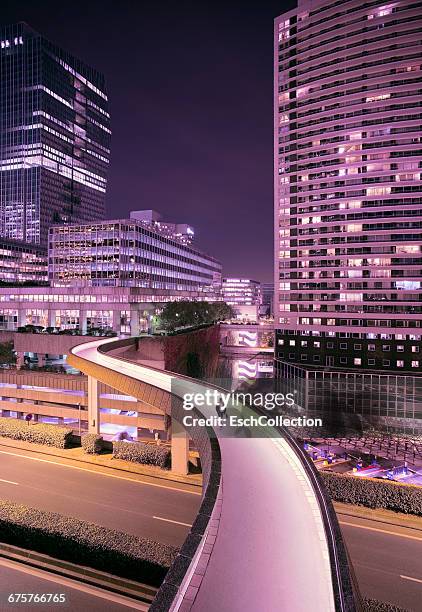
(16, 578)
(161, 511)
(387, 560)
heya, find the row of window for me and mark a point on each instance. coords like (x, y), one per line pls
(356, 361)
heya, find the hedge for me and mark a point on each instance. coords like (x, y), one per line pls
(374, 493)
(39, 433)
(148, 454)
(373, 605)
(92, 444)
(85, 543)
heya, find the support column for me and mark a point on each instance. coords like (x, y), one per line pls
(83, 321)
(22, 317)
(93, 406)
(20, 359)
(179, 449)
(52, 318)
(116, 321)
(41, 359)
(134, 323)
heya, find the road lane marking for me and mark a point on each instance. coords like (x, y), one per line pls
(77, 586)
(8, 481)
(410, 578)
(400, 535)
(160, 518)
(76, 467)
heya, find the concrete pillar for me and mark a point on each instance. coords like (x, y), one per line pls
(115, 324)
(51, 318)
(41, 359)
(134, 323)
(93, 406)
(83, 321)
(179, 449)
(20, 359)
(21, 317)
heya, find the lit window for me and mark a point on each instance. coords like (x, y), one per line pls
(415, 364)
(400, 363)
(377, 98)
(357, 361)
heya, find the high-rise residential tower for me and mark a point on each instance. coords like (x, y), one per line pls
(54, 137)
(348, 196)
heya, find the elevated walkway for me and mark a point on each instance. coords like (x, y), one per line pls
(264, 539)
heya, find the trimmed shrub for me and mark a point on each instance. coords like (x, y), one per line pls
(373, 605)
(85, 543)
(374, 493)
(92, 443)
(148, 454)
(39, 433)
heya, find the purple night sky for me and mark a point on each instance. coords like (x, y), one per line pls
(190, 87)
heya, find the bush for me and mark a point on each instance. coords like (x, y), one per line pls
(147, 454)
(373, 493)
(92, 443)
(373, 605)
(39, 433)
(85, 543)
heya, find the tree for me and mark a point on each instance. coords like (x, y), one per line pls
(185, 313)
(7, 354)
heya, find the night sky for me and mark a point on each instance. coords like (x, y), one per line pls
(190, 89)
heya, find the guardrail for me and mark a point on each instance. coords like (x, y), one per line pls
(346, 590)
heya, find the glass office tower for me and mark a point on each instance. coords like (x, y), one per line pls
(54, 137)
(348, 201)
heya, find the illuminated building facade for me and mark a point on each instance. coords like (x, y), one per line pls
(348, 205)
(242, 291)
(244, 295)
(135, 252)
(54, 137)
(21, 262)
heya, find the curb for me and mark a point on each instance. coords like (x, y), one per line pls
(176, 480)
(407, 521)
(121, 586)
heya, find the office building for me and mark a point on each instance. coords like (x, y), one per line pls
(181, 231)
(348, 205)
(244, 295)
(22, 263)
(267, 297)
(130, 253)
(54, 137)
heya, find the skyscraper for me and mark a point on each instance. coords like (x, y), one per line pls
(54, 137)
(348, 201)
